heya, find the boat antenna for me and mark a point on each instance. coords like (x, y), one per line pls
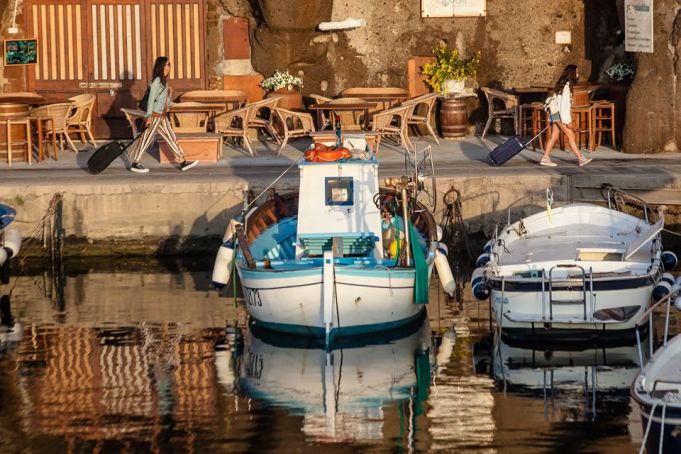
(245, 209)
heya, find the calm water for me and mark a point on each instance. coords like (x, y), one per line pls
(129, 357)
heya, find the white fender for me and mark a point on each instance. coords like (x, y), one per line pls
(11, 239)
(3, 255)
(231, 228)
(223, 265)
(444, 272)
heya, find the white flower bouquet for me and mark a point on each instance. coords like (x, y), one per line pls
(620, 71)
(281, 80)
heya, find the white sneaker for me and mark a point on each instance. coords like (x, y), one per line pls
(138, 168)
(186, 165)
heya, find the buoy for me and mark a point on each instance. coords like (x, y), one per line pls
(231, 228)
(482, 259)
(677, 303)
(223, 264)
(438, 231)
(443, 270)
(3, 255)
(11, 241)
(661, 290)
(477, 276)
(487, 247)
(669, 260)
(481, 291)
(668, 277)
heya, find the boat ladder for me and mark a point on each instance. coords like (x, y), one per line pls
(582, 293)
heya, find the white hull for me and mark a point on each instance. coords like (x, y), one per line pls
(367, 300)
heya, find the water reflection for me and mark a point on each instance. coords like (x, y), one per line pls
(349, 393)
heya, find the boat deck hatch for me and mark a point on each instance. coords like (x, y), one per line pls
(351, 245)
(600, 255)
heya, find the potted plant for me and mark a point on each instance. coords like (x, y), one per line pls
(448, 73)
(286, 85)
(622, 71)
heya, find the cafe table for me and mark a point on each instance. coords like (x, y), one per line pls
(226, 99)
(16, 106)
(387, 96)
(357, 105)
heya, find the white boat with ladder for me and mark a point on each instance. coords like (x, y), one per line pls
(337, 257)
(577, 268)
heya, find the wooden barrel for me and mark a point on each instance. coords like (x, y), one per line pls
(453, 118)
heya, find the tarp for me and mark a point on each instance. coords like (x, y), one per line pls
(421, 281)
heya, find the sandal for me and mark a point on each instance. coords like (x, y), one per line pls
(584, 161)
(547, 162)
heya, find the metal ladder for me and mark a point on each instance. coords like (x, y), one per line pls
(581, 301)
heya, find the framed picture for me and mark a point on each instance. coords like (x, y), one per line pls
(21, 51)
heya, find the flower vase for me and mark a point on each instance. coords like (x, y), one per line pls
(291, 98)
(453, 86)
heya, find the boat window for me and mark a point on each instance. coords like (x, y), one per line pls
(339, 191)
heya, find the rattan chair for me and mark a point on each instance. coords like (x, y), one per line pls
(293, 124)
(263, 115)
(80, 118)
(59, 113)
(393, 122)
(423, 111)
(500, 105)
(234, 124)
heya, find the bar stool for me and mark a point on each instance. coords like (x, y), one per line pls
(539, 122)
(21, 142)
(604, 121)
(526, 120)
(582, 125)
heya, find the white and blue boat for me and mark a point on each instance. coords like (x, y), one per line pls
(10, 238)
(335, 257)
(574, 269)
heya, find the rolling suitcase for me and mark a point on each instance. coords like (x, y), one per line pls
(510, 148)
(105, 155)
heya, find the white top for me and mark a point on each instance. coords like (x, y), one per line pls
(566, 105)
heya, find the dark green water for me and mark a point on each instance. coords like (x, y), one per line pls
(146, 357)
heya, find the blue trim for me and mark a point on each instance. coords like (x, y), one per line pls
(7, 215)
(347, 183)
(335, 332)
(274, 274)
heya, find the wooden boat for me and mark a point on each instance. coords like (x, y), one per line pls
(10, 238)
(573, 269)
(334, 257)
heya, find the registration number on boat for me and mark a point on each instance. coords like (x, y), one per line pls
(252, 296)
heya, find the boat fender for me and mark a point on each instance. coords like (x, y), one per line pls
(661, 290)
(11, 242)
(438, 231)
(668, 277)
(3, 255)
(223, 264)
(481, 291)
(444, 272)
(231, 229)
(487, 247)
(678, 281)
(677, 303)
(477, 276)
(482, 259)
(669, 260)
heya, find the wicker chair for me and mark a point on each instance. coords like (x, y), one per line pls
(293, 124)
(262, 116)
(80, 119)
(500, 105)
(326, 119)
(189, 121)
(425, 103)
(59, 113)
(235, 124)
(393, 122)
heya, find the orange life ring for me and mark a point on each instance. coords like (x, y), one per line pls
(327, 154)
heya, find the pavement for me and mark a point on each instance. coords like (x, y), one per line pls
(465, 156)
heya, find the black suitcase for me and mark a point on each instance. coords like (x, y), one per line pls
(106, 154)
(510, 148)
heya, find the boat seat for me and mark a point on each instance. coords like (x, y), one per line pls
(354, 244)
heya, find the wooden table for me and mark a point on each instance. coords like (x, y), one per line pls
(226, 99)
(195, 108)
(387, 96)
(341, 107)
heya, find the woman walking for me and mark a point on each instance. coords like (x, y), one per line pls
(560, 116)
(156, 119)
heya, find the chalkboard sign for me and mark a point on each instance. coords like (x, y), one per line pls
(21, 51)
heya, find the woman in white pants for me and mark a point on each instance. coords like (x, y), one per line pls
(156, 119)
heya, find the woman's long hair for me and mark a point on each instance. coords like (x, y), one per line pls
(569, 75)
(159, 65)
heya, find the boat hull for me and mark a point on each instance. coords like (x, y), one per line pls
(667, 433)
(617, 305)
(368, 300)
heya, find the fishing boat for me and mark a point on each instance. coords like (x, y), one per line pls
(10, 238)
(574, 269)
(336, 257)
(341, 393)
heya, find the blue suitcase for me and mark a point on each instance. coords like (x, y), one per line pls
(510, 148)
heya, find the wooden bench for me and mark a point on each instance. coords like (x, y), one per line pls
(204, 147)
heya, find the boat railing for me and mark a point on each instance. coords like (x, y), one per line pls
(553, 280)
(614, 193)
(647, 318)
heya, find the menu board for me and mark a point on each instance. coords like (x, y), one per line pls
(21, 51)
(638, 26)
(453, 8)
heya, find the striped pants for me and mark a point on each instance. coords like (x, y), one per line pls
(161, 125)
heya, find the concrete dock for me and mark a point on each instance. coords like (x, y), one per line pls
(168, 211)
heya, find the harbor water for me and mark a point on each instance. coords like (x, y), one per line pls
(133, 356)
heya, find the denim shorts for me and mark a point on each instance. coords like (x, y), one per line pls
(553, 118)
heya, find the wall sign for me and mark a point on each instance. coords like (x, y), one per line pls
(638, 26)
(453, 8)
(21, 51)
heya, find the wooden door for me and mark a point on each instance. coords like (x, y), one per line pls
(107, 47)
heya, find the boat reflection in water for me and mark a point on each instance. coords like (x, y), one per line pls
(347, 392)
(574, 382)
